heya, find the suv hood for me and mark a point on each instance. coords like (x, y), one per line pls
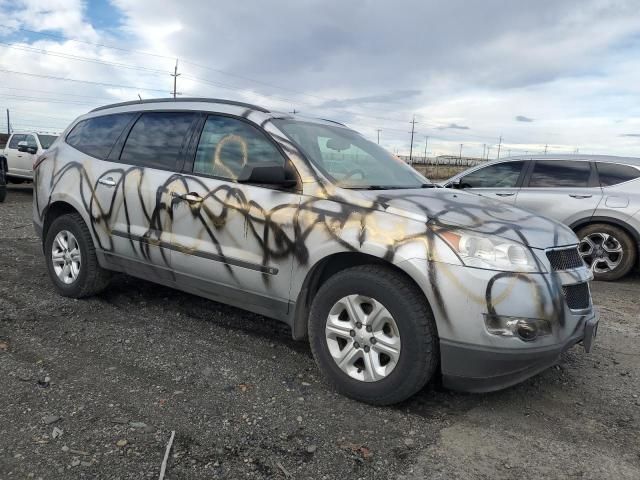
(454, 208)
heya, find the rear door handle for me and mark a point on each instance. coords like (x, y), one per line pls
(109, 182)
(576, 195)
(511, 194)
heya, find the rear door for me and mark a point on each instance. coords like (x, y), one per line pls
(500, 181)
(566, 190)
(144, 168)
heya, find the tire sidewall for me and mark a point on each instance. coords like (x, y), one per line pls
(411, 353)
(628, 245)
(67, 222)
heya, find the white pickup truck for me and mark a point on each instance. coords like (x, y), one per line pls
(21, 151)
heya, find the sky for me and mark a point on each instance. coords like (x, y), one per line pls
(560, 75)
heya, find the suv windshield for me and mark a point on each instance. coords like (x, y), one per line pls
(46, 140)
(350, 160)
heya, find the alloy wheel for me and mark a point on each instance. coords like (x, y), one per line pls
(66, 257)
(601, 252)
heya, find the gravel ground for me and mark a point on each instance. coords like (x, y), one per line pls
(93, 389)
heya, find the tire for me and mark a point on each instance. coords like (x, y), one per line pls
(91, 277)
(624, 261)
(3, 179)
(418, 341)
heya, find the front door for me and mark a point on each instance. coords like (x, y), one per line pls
(232, 241)
(564, 190)
(499, 181)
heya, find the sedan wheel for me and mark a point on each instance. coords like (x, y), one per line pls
(602, 252)
(608, 250)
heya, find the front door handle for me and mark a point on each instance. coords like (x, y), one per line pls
(109, 182)
(190, 197)
(576, 195)
(506, 194)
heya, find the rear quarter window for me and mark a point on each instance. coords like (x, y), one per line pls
(97, 136)
(614, 173)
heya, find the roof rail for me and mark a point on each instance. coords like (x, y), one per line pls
(196, 99)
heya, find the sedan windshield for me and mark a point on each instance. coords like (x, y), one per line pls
(350, 160)
(46, 140)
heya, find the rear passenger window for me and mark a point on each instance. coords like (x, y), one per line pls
(560, 174)
(228, 144)
(156, 139)
(612, 173)
(96, 136)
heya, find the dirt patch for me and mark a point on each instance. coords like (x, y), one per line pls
(93, 389)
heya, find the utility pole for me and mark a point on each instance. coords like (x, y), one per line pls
(8, 123)
(488, 151)
(413, 129)
(499, 145)
(545, 149)
(461, 154)
(175, 76)
(379, 130)
(426, 142)
(484, 148)
(294, 111)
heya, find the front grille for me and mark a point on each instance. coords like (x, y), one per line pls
(565, 259)
(577, 296)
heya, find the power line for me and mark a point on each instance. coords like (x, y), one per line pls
(102, 84)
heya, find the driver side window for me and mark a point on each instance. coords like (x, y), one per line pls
(500, 175)
(227, 144)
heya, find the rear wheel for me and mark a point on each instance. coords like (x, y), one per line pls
(373, 335)
(71, 258)
(607, 250)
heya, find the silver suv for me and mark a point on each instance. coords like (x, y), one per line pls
(393, 281)
(597, 196)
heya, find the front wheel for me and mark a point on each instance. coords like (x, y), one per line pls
(607, 250)
(373, 335)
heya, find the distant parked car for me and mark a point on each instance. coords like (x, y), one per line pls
(308, 222)
(597, 196)
(20, 153)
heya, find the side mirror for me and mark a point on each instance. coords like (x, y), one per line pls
(457, 184)
(26, 148)
(267, 174)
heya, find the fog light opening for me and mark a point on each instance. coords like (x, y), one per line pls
(526, 329)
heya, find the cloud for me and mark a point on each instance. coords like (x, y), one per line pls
(570, 64)
(454, 126)
(635, 135)
(392, 97)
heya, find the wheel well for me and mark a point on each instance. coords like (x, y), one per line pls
(55, 210)
(320, 273)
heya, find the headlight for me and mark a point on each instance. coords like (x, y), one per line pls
(490, 251)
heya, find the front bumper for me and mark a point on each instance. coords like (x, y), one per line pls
(476, 368)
